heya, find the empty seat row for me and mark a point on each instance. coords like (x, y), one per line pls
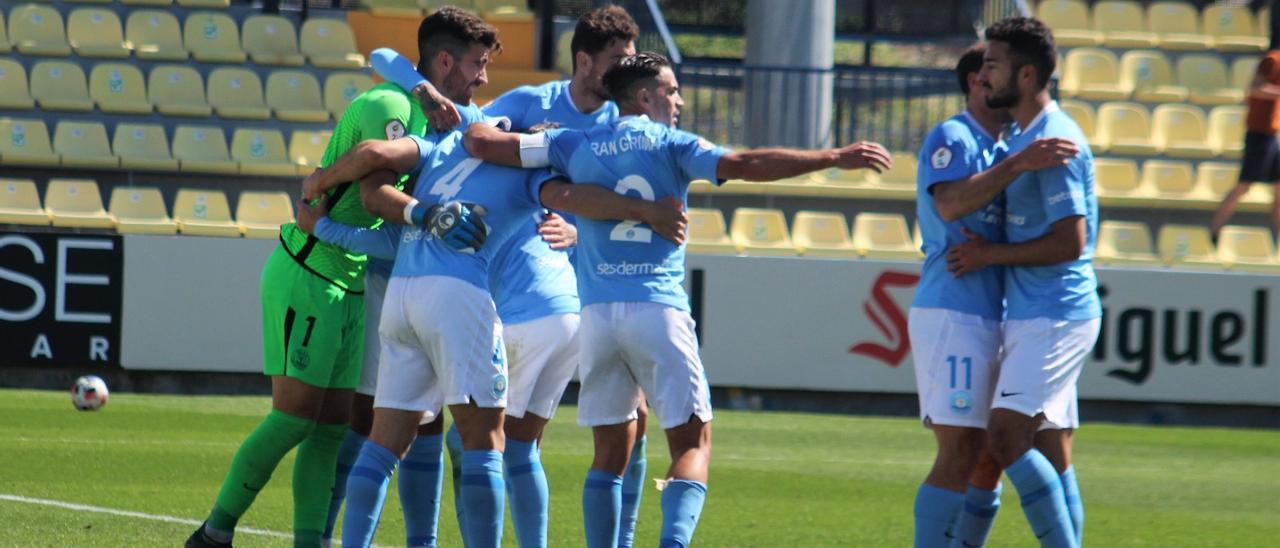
(141, 210)
(1171, 184)
(413, 8)
(206, 36)
(1175, 130)
(1174, 25)
(1149, 76)
(1244, 248)
(815, 233)
(177, 90)
(896, 183)
(195, 149)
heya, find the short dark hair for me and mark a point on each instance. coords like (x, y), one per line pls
(1030, 43)
(629, 72)
(454, 30)
(598, 27)
(969, 63)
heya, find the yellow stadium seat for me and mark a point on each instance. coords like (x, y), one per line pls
(1232, 28)
(1070, 19)
(1177, 26)
(204, 213)
(1262, 26)
(294, 95)
(1122, 24)
(1186, 246)
(883, 236)
(1178, 130)
(1147, 75)
(1206, 77)
(392, 8)
(261, 152)
(1125, 128)
(76, 203)
(143, 146)
(903, 172)
(212, 38)
(1248, 248)
(1218, 178)
(1116, 178)
(237, 93)
(140, 210)
(119, 87)
(177, 91)
(5, 45)
(20, 203)
(1091, 73)
(260, 214)
(204, 3)
(1082, 113)
(203, 149)
(1172, 182)
(822, 234)
(38, 30)
(707, 233)
(96, 32)
(1242, 71)
(147, 2)
(60, 85)
(155, 36)
(761, 232)
(306, 148)
(26, 142)
(1226, 131)
(83, 145)
(271, 40)
(329, 43)
(340, 88)
(1124, 243)
(14, 91)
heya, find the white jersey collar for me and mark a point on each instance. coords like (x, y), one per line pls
(1052, 106)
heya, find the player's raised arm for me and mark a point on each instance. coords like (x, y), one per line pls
(771, 164)
(399, 155)
(380, 243)
(666, 216)
(397, 69)
(955, 199)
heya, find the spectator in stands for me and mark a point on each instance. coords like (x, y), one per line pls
(1261, 161)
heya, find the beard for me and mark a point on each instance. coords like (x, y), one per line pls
(1004, 98)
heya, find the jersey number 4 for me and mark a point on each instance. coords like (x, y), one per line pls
(631, 231)
(450, 184)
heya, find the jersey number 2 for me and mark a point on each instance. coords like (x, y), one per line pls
(631, 231)
(449, 184)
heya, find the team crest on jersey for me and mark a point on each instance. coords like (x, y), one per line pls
(941, 158)
(395, 129)
(705, 144)
(499, 385)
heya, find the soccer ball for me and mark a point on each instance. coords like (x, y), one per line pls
(89, 393)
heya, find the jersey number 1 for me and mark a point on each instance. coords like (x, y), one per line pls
(631, 231)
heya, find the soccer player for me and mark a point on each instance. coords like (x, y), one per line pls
(1261, 159)
(636, 330)
(1052, 309)
(954, 322)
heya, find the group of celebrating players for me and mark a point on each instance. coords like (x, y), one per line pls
(427, 269)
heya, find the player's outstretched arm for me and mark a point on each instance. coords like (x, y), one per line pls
(399, 70)
(955, 199)
(772, 164)
(1064, 242)
(399, 155)
(381, 242)
(493, 145)
(456, 224)
(666, 216)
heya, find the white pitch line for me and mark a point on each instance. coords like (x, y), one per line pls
(131, 514)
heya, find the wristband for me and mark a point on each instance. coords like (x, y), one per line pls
(408, 211)
(534, 151)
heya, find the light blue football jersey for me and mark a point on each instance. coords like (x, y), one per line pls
(1034, 201)
(528, 106)
(625, 261)
(957, 149)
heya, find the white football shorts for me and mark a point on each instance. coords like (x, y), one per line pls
(375, 288)
(542, 355)
(1043, 359)
(956, 362)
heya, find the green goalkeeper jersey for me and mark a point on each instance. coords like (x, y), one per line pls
(383, 112)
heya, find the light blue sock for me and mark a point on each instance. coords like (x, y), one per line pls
(1075, 504)
(974, 523)
(366, 492)
(935, 512)
(347, 455)
(1042, 502)
(482, 497)
(453, 444)
(601, 508)
(681, 507)
(421, 479)
(527, 483)
(632, 488)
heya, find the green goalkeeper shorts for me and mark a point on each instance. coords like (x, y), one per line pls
(312, 330)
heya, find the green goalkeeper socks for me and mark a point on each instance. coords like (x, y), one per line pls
(314, 470)
(253, 464)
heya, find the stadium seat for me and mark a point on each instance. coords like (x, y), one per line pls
(1125, 128)
(1248, 248)
(1070, 22)
(26, 142)
(5, 45)
(1231, 27)
(1206, 77)
(76, 203)
(1178, 131)
(237, 93)
(147, 2)
(140, 210)
(294, 96)
(306, 148)
(1171, 181)
(1177, 26)
(143, 146)
(1242, 71)
(38, 30)
(155, 36)
(903, 172)
(1226, 131)
(271, 40)
(1186, 246)
(260, 214)
(1082, 113)
(60, 85)
(14, 91)
(203, 149)
(329, 43)
(119, 88)
(204, 213)
(96, 32)
(883, 236)
(392, 8)
(761, 232)
(1124, 243)
(1116, 178)
(261, 152)
(83, 145)
(20, 203)
(822, 234)
(212, 38)
(1091, 73)
(707, 233)
(340, 88)
(176, 90)
(1122, 24)
(204, 3)
(1147, 75)
(1218, 178)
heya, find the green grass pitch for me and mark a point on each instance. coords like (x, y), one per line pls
(777, 479)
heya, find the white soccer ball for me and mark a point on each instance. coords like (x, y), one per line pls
(89, 393)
